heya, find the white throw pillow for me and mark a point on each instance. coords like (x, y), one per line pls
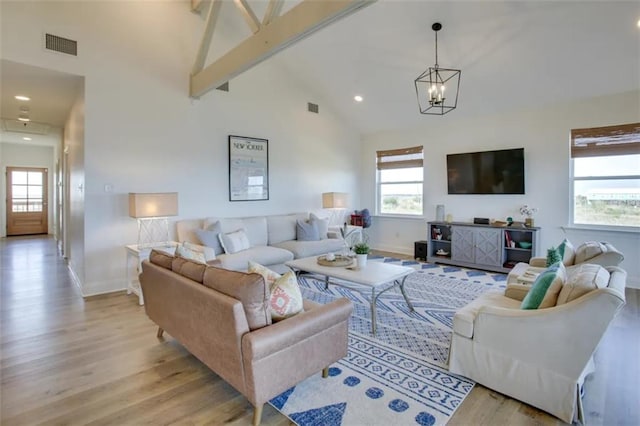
(322, 224)
(233, 242)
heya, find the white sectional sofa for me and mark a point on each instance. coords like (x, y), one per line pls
(272, 239)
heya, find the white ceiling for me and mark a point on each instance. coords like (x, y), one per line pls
(52, 95)
(513, 54)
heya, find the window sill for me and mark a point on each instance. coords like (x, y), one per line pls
(601, 228)
(400, 216)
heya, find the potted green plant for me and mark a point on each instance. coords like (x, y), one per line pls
(361, 250)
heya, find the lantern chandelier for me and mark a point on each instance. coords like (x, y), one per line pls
(431, 85)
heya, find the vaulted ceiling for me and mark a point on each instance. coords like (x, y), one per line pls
(513, 54)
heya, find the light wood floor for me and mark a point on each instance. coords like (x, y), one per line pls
(65, 360)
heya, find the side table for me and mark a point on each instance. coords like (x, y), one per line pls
(135, 256)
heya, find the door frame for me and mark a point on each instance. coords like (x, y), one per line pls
(44, 213)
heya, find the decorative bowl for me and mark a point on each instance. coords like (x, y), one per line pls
(525, 244)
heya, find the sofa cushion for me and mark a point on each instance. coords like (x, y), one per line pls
(545, 289)
(464, 318)
(235, 241)
(285, 298)
(269, 276)
(588, 250)
(188, 268)
(307, 230)
(187, 252)
(256, 229)
(311, 248)
(281, 228)
(209, 237)
(582, 279)
(567, 252)
(208, 252)
(161, 258)
(265, 255)
(250, 289)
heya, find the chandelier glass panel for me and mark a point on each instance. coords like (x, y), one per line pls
(437, 88)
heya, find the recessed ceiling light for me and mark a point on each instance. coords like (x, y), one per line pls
(24, 119)
(22, 98)
(26, 138)
(357, 98)
(638, 23)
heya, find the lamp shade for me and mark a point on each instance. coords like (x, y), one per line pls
(334, 200)
(160, 204)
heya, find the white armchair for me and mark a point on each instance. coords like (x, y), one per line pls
(542, 356)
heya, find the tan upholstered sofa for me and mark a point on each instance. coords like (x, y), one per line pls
(539, 356)
(222, 317)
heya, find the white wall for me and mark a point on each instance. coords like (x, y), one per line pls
(142, 133)
(24, 155)
(544, 133)
(74, 187)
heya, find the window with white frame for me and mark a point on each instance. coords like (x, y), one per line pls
(400, 181)
(606, 176)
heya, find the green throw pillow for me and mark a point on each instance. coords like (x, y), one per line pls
(553, 256)
(567, 252)
(544, 291)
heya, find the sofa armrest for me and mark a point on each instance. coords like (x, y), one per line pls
(281, 355)
(538, 262)
(281, 335)
(535, 336)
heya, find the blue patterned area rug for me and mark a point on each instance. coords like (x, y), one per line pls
(398, 377)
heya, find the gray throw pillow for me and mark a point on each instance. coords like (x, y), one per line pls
(209, 237)
(307, 231)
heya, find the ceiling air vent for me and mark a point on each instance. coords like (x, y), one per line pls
(25, 127)
(61, 44)
(313, 107)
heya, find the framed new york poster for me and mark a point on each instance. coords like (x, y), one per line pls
(248, 168)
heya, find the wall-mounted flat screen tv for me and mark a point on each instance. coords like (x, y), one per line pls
(487, 172)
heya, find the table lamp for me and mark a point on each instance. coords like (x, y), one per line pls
(152, 211)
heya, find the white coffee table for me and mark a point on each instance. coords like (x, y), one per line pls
(378, 276)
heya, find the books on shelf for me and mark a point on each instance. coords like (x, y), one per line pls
(508, 239)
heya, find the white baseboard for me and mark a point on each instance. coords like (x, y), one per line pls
(103, 287)
(74, 276)
(394, 249)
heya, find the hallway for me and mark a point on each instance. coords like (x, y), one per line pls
(66, 360)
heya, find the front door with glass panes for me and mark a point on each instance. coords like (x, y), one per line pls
(26, 201)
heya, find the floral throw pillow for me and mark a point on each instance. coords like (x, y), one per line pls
(286, 298)
(269, 276)
(190, 254)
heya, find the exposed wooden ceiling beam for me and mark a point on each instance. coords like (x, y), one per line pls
(302, 20)
(210, 25)
(273, 11)
(248, 15)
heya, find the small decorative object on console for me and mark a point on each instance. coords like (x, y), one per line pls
(528, 212)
